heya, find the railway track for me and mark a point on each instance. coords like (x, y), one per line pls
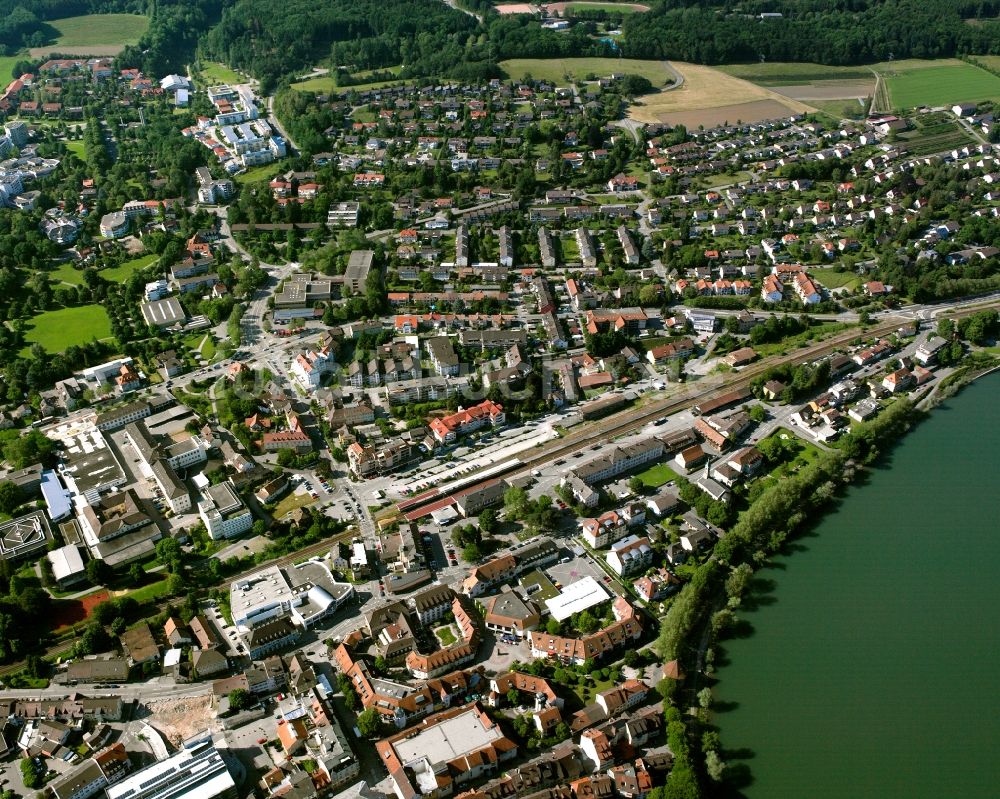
(627, 422)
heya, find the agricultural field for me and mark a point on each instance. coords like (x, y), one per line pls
(119, 274)
(989, 61)
(786, 73)
(94, 34)
(711, 97)
(935, 133)
(559, 70)
(937, 83)
(56, 330)
(809, 83)
(213, 73)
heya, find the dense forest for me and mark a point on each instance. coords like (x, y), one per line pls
(432, 39)
(426, 35)
(174, 31)
(825, 31)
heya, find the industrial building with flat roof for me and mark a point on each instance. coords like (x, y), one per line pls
(197, 771)
(163, 313)
(577, 597)
(307, 593)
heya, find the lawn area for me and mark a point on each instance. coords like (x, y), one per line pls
(791, 343)
(327, 84)
(56, 330)
(214, 73)
(119, 274)
(839, 109)
(939, 84)
(656, 475)
(586, 691)
(798, 453)
(290, 502)
(97, 30)
(557, 69)
(446, 635)
(147, 593)
(67, 274)
(833, 279)
(76, 147)
(7, 63)
(362, 114)
(259, 174)
(781, 73)
(203, 343)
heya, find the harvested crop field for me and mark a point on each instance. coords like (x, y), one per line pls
(180, 719)
(822, 91)
(754, 111)
(710, 97)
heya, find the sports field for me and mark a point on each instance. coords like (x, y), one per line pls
(559, 70)
(56, 330)
(595, 5)
(938, 83)
(710, 97)
(94, 34)
(119, 274)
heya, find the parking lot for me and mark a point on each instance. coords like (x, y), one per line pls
(564, 574)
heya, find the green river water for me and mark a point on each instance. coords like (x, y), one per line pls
(873, 668)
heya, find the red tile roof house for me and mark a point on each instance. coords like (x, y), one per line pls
(447, 428)
(623, 183)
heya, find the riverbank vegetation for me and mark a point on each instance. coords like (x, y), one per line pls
(705, 609)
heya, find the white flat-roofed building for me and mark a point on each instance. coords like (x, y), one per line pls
(342, 215)
(156, 290)
(577, 597)
(67, 565)
(56, 496)
(223, 512)
(463, 742)
(197, 771)
(308, 592)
